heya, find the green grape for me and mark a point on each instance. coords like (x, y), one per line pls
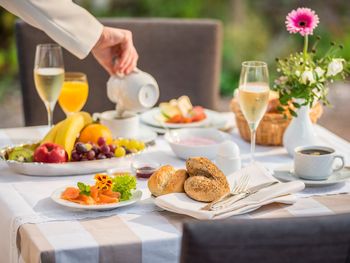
(133, 150)
(142, 146)
(133, 144)
(119, 152)
(123, 142)
(116, 142)
(88, 146)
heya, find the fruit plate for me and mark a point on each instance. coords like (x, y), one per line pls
(151, 118)
(64, 169)
(56, 197)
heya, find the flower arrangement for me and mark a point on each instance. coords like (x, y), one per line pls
(304, 76)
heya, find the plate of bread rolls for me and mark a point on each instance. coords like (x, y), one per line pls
(202, 180)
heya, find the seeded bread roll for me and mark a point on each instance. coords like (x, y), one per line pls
(207, 182)
(167, 180)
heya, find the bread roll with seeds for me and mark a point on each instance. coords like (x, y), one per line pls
(206, 182)
(167, 180)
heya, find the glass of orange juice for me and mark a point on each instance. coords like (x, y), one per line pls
(74, 92)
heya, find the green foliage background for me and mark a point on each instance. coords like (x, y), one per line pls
(253, 30)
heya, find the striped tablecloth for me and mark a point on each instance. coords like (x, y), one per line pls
(147, 237)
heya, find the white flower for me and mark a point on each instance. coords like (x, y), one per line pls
(335, 67)
(297, 73)
(307, 77)
(320, 72)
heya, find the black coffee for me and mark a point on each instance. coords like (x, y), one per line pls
(315, 152)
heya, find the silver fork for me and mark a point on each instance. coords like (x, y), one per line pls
(240, 187)
(233, 199)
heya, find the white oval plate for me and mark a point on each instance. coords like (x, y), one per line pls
(56, 197)
(65, 169)
(335, 178)
(150, 117)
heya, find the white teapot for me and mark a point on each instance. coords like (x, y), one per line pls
(135, 92)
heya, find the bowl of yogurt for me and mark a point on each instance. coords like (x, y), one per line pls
(196, 142)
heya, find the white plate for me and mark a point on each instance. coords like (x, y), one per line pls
(56, 197)
(150, 118)
(65, 169)
(288, 175)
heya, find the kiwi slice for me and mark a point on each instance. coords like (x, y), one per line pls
(21, 154)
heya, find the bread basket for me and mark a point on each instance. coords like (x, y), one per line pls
(271, 128)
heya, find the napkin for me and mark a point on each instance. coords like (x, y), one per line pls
(280, 192)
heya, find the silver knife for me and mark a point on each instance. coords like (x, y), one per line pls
(234, 198)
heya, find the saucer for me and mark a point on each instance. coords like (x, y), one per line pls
(287, 175)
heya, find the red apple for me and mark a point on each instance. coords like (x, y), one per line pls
(50, 153)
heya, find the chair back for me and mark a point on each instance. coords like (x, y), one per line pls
(323, 239)
(184, 56)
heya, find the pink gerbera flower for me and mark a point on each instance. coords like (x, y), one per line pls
(302, 21)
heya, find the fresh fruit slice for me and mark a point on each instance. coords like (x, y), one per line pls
(169, 110)
(21, 154)
(176, 119)
(51, 135)
(93, 132)
(68, 133)
(87, 117)
(184, 104)
(198, 114)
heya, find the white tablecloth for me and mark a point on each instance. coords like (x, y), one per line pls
(165, 237)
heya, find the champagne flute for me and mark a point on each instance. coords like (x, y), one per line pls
(253, 94)
(48, 75)
(74, 92)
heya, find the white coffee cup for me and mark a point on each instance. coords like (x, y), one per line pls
(134, 92)
(126, 126)
(316, 162)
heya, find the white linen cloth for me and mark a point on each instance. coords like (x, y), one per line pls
(30, 202)
(13, 192)
(334, 189)
(280, 192)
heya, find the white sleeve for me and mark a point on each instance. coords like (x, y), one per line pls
(68, 24)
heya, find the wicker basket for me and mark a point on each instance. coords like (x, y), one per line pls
(271, 127)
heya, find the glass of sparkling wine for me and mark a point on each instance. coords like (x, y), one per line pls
(253, 95)
(48, 75)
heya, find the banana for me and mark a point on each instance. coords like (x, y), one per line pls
(50, 136)
(87, 117)
(69, 131)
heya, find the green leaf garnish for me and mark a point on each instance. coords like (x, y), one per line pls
(123, 184)
(84, 188)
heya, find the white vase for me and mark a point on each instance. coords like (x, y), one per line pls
(300, 131)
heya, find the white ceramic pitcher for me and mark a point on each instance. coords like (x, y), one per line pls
(135, 92)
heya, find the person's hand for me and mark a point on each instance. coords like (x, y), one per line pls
(115, 51)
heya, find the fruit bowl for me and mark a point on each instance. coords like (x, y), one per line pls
(63, 169)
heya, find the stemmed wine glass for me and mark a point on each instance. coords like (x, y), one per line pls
(48, 75)
(253, 95)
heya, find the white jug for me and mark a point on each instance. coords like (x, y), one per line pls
(135, 92)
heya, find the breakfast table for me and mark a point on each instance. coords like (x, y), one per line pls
(35, 229)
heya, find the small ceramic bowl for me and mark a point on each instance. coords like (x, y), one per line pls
(196, 142)
(144, 168)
